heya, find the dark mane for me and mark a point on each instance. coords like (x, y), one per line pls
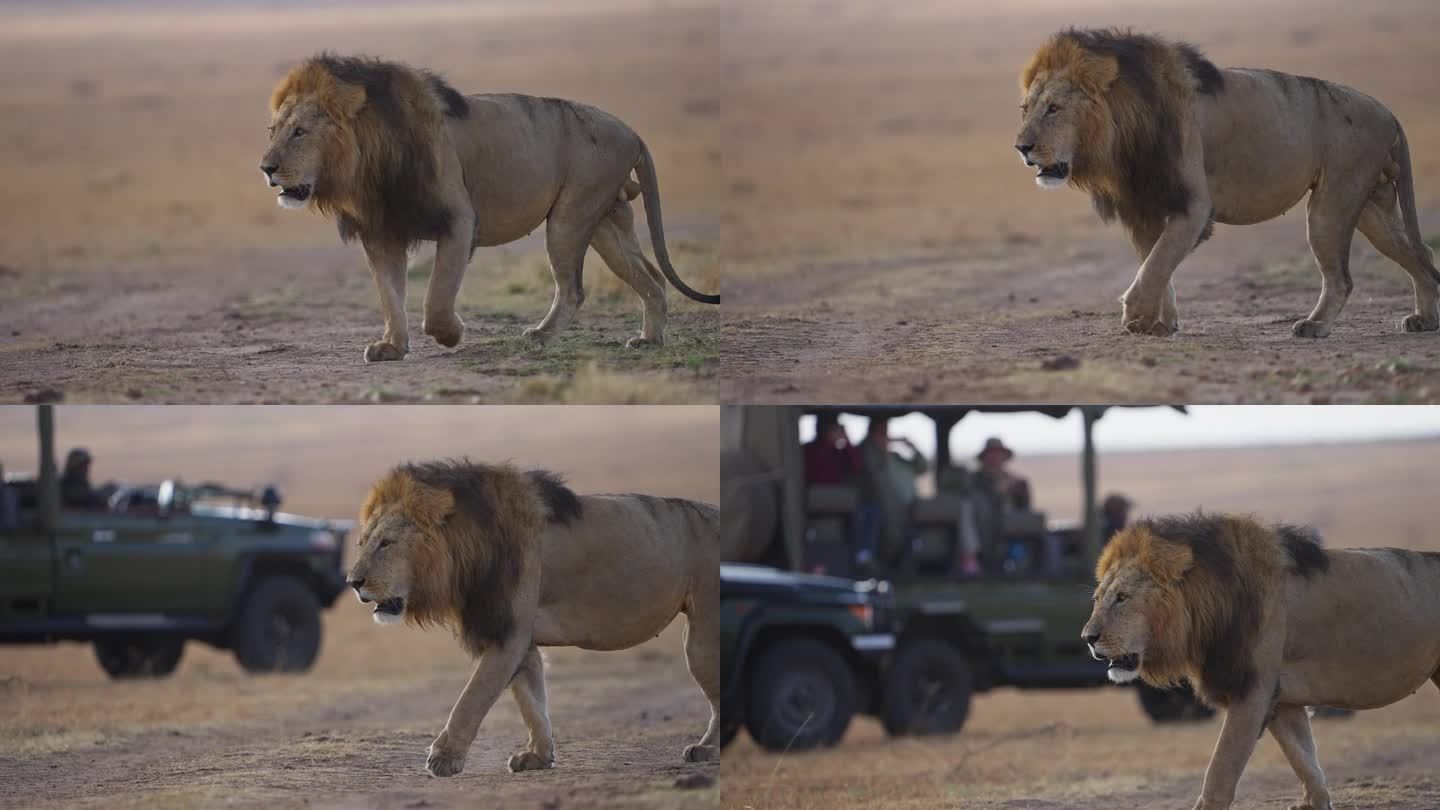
(394, 132)
(1221, 644)
(489, 497)
(1147, 102)
(561, 504)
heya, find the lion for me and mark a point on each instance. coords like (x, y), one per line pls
(397, 156)
(1263, 622)
(514, 561)
(1170, 144)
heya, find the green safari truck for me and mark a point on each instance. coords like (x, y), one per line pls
(1012, 620)
(158, 565)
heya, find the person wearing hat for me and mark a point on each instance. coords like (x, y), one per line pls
(994, 477)
(75, 489)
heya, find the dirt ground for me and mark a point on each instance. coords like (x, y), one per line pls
(353, 732)
(143, 259)
(883, 243)
(1095, 749)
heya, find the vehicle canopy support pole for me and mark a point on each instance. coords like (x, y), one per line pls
(1088, 475)
(49, 486)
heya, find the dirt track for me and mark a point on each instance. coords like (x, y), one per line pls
(887, 245)
(621, 722)
(143, 259)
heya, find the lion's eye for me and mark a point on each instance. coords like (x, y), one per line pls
(299, 132)
(383, 544)
(1120, 597)
(1052, 109)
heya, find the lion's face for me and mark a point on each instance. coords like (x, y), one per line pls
(1052, 118)
(382, 572)
(1119, 626)
(303, 141)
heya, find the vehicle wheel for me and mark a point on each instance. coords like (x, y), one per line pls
(801, 695)
(1173, 705)
(153, 657)
(728, 730)
(278, 629)
(927, 689)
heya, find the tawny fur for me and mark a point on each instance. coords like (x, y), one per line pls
(513, 561)
(1263, 622)
(1169, 144)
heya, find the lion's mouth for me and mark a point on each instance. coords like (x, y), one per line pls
(1123, 668)
(393, 606)
(299, 193)
(1056, 171)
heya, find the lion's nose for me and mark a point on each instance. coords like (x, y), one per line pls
(269, 168)
(356, 583)
(1091, 638)
(1024, 148)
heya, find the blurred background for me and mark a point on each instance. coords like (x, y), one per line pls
(1361, 476)
(143, 258)
(353, 730)
(884, 242)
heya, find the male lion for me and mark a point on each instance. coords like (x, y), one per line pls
(1263, 622)
(514, 561)
(1170, 144)
(398, 157)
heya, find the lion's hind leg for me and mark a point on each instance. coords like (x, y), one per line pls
(1382, 224)
(702, 654)
(1334, 211)
(1291, 729)
(568, 231)
(528, 689)
(617, 244)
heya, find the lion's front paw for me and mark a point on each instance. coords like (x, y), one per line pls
(1419, 323)
(446, 329)
(442, 761)
(536, 334)
(530, 761)
(383, 350)
(1149, 325)
(1310, 329)
(644, 343)
(701, 753)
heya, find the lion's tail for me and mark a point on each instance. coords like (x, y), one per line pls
(650, 190)
(1405, 185)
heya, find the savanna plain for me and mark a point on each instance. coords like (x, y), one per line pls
(884, 243)
(1095, 749)
(353, 732)
(142, 258)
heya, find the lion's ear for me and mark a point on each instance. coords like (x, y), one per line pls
(431, 505)
(1096, 72)
(1168, 562)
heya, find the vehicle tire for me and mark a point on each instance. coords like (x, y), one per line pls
(927, 689)
(278, 627)
(1173, 705)
(144, 657)
(801, 695)
(728, 730)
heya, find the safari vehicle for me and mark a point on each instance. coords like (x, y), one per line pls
(799, 654)
(1014, 623)
(161, 565)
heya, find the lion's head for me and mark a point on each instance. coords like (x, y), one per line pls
(1181, 598)
(445, 542)
(1103, 110)
(1140, 604)
(357, 137)
(1065, 119)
